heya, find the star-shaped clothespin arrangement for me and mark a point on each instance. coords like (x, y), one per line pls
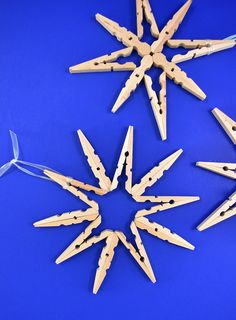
(228, 208)
(152, 56)
(94, 216)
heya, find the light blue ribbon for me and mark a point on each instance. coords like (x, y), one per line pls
(233, 37)
(15, 161)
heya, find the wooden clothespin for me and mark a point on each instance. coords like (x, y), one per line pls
(156, 173)
(195, 44)
(133, 81)
(68, 218)
(105, 63)
(162, 233)
(74, 247)
(171, 27)
(226, 210)
(177, 75)
(227, 124)
(204, 50)
(164, 203)
(225, 169)
(65, 183)
(123, 35)
(140, 256)
(125, 162)
(94, 162)
(105, 260)
(158, 103)
(143, 8)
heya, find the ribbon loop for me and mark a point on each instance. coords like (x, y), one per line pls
(15, 161)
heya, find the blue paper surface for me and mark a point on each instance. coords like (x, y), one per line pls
(45, 105)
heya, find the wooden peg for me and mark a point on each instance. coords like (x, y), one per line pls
(143, 6)
(103, 63)
(142, 250)
(162, 233)
(170, 28)
(125, 162)
(226, 210)
(177, 75)
(68, 218)
(158, 105)
(196, 44)
(105, 260)
(156, 173)
(192, 54)
(227, 124)
(165, 203)
(225, 169)
(64, 182)
(128, 38)
(138, 257)
(133, 81)
(72, 249)
(94, 162)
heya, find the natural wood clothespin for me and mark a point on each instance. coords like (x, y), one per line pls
(143, 8)
(125, 162)
(162, 233)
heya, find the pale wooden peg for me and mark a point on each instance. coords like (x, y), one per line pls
(142, 250)
(226, 210)
(94, 162)
(158, 105)
(196, 44)
(138, 258)
(165, 203)
(228, 124)
(162, 233)
(125, 162)
(177, 75)
(62, 180)
(143, 7)
(104, 63)
(72, 249)
(156, 173)
(68, 218)
(133, 81)
(170, 28)
(225, 169)
(127, 37)
(65, 183)
(192, 54)
(105, 260)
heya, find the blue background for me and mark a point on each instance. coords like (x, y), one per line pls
(45, 105)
